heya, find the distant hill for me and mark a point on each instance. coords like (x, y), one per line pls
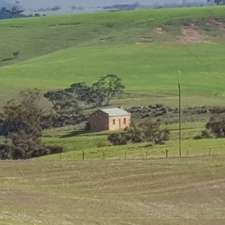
(73, 6)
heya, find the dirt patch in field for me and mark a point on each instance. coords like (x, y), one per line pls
(215, 23)
(156, 34)
(158, 31)
(191, 34)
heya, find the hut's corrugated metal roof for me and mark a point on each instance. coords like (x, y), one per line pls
(115, 111)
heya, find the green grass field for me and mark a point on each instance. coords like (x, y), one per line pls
(152, 68)
(40, 36)
(96, 146)
(58, 51)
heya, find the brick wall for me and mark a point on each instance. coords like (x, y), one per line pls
(119, 123)
(99, 121)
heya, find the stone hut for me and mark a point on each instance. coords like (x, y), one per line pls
(111, 119)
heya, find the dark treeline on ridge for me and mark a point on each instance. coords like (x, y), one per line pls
(10, 10)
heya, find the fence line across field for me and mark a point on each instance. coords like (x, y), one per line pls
(126, 155)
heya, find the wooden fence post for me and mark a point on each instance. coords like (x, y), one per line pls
(83, 156)
(103, 155)
(146, 155)
(167, 153)
(210, 152)
(187, 153)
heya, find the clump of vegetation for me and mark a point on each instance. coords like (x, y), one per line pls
(83, 95)
(108, 87)
(146, 132)
(70, 102)
(118, 138)
(215, 127)
(21, 127)
(16, 54)
(66, 109)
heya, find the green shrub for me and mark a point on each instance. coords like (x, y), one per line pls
(118, 139)
(147, 132)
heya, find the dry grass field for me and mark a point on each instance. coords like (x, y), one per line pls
(158, 192)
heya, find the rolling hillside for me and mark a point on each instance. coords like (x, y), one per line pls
(149, 49)
(39, 36)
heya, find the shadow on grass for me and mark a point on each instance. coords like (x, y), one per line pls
(83, 133)
(7, 59)
(75, 133)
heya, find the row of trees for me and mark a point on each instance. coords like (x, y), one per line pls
(69, 104)
(220, 2)
(83, 95)
(11, 12)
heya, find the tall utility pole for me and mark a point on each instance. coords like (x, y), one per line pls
(180, 132)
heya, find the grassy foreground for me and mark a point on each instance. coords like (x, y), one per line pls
(172, 192)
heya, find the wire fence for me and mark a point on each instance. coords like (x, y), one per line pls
(129, 155)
